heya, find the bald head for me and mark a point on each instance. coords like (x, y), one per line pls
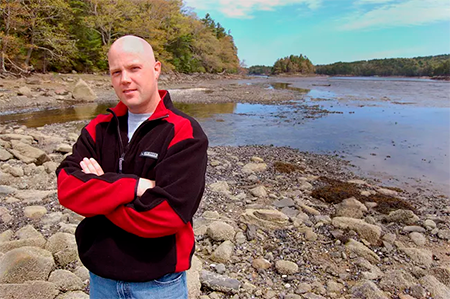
(134, 73)
(132, 44)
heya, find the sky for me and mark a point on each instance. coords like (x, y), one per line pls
(328, 31)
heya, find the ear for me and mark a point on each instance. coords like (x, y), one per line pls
(157, 69)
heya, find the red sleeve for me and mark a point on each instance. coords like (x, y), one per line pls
(89, 194)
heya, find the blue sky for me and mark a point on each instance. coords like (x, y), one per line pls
(328, 31)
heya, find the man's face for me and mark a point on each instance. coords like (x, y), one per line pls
(134, 78)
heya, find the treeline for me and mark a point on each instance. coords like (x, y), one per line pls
(288, 65)
(66, 35)
(419, 66)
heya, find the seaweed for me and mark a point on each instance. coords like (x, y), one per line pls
(286, 167)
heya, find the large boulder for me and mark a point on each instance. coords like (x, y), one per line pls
(27, 153)
(370, 232)
(83, 92)
(24, 264)
(29, 290)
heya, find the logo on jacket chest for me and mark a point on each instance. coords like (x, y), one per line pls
(148, 154)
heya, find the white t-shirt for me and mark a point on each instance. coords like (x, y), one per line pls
(134, 121)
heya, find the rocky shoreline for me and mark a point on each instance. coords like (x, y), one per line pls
(274, 223)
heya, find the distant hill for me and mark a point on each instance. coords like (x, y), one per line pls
(411, 67)
(292, 64)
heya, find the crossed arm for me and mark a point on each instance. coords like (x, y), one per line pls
(92, 166)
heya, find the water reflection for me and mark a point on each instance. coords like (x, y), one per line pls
(88, 111)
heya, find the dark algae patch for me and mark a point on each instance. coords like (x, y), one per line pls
(335, 191)
(284, 167)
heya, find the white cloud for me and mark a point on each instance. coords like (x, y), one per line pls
(398, 13)
(245, 8)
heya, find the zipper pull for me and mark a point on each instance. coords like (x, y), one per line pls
(122, 157)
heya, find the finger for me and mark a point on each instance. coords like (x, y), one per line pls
(98, 168)
(90, 166)
(83, 167)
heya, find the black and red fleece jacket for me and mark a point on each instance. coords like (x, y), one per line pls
(125, 237)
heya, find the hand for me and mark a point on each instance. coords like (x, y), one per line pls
(143, 185)
(91, 166)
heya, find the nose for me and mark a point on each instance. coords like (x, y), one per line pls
(125, 78)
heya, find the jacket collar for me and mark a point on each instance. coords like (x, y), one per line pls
(161, 111)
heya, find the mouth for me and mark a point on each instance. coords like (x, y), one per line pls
(128, 91)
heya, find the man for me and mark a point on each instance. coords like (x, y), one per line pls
(137, 175)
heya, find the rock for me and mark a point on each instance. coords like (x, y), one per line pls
(437, 289)
(34, 212)
(240, 238)
(305, 186)
(82, 92)
(24, 91)
(66, 280)
(303, 288)
(26, 263)
(217, 282)
(334, 287)
(193, 278)
(309, 210)
(284, 203)
(220, 231)
(286, 267)
(6, 190)
(373, 271)
(14, 171)
(261, 264)
(64, 148)
(259, 191)
(5, 155)
(390, 238)
(429, 224)
(271, 219)
(73, 295)
(29, 290)
(369, 232)
(361, 250)
(83, 273)
(223, 253)
(313, 296)
(413, 228)
(254, 168)
(17, 137)
(27, 236)
(396, 280)
(367, 290)
(402, 216)
(6, 236)
(444, 234)
(442, 274)
(28, 154)
(33, 195)
(64, 248)
(418, 238)
(220, 186)
(421, 257)
(50, 167)
(351, 207)
(387, 192)
(257, 159)
(28, 232)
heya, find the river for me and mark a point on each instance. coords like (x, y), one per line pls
(396, 130)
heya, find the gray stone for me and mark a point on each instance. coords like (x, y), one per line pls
(444, 234)
(66, 281)
(414, 228)
(24, 91)
(220, 231)
(220, 186)
(373, 271)
(223, 252)
(429, 224)
(309, 210)
(5, 155)
(28, 154)
(351, 207)
(34, 212)
(387, 192)
(286, 267)
(193, 278)
(26, 263)
(271, 219)
(83, 273)
(6, 236)
(361, 250)
(334, 287)
(367, 290)
(437, 289)
(257, 159)
(396, 280)
(303, 288)
(18, 137)
(50, 166)
(14, 171)
(418, 238)
(254, 168)
(402, 216)
(240, 238)
(284, 203)
(261, 264)
(83, 92)
(442, 273)
(421, 257)
(64, 248)
(367, 231)
(6, 190)
(259, 191)
(305, 186)
(64, 148)
(217, 282)
(30, 195)
(29, 290)
(73, 295)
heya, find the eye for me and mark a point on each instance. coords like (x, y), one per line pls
(115, 73)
